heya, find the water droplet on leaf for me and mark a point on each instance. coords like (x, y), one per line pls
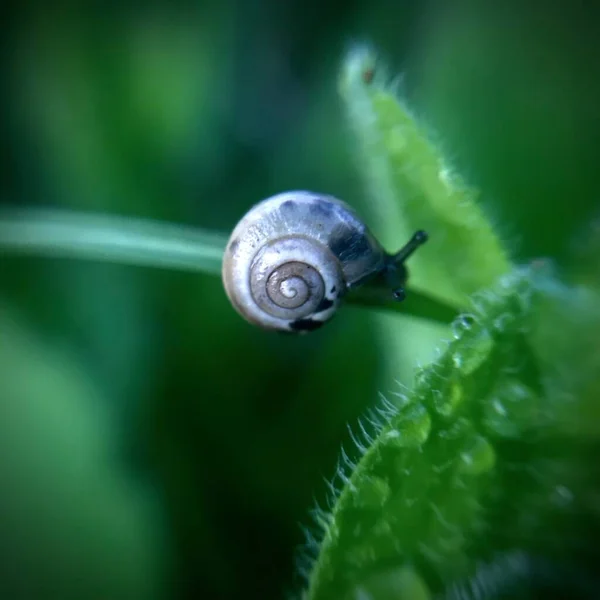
(511, 408)
(478, 456)
(371, 493)
(446, 401)
(411, 428)
(473, 352)
(461, 324)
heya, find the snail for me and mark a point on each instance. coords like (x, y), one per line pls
(293, 257)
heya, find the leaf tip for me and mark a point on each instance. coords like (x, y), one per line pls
(359, 66)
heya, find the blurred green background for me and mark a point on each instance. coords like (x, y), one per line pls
(152, 444)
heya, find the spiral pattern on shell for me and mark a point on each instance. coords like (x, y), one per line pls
(294, 277)
(292, 258)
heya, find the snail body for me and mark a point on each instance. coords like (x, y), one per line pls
(292, 258)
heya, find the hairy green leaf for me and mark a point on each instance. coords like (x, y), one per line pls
(471, 474)
(412, 186)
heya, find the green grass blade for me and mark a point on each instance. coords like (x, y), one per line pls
(113, 239)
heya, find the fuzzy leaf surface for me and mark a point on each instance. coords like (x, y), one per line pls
(473, 475)
(411, 186)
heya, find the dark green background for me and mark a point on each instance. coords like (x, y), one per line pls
(219, 434)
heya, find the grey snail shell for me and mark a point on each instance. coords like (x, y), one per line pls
(293, 257)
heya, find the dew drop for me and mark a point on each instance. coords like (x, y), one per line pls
(461, 324)
(403, 583)
(371, 493)
(510, 409)
(411, 429)
(446, 402)
(473, 352)
(478, 456)
(460, 428)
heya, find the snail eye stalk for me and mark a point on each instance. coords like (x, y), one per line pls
(417, 240)
(396, 272)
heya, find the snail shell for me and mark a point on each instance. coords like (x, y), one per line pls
(293, 256)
